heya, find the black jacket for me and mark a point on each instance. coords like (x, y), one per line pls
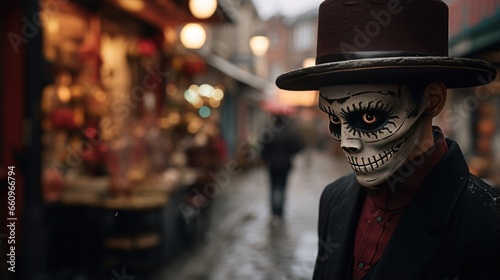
(449, 231)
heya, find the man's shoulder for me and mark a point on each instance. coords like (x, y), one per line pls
(340, 185)
(476, 228)
(481, 198)
(476, 216)
(476, 201)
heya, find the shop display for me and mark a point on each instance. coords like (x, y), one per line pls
(127, 134)
(102, 145)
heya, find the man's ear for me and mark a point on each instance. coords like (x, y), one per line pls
(435, 96)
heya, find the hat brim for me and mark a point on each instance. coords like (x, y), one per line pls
(453, 72)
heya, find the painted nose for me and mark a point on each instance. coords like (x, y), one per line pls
(351, 146)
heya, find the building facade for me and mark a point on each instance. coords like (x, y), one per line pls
(472, 116)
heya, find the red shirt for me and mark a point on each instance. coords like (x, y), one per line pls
(384, 207)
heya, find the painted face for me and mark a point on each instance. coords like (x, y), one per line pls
(377, 125)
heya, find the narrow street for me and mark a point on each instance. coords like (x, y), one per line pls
(243, 241)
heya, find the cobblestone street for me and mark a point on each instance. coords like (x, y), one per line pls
(243, 241)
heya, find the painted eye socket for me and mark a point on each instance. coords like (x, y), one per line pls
(334, 119)
(368, 120)
(334, 126)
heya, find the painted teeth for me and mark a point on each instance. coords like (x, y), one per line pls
(370, 164)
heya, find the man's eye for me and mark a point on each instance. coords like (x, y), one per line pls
(367, 121)
(369, 118)
(334, 119)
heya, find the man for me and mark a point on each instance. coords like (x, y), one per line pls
(278, 152)
(411, 209)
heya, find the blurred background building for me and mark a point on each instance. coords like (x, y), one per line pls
(114, 114)
(472, 116)
(117, 113)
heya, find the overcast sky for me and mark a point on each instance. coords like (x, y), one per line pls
(268, 8)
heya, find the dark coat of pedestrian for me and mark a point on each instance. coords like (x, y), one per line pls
(280, 143)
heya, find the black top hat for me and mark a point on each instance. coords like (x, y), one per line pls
(384, 41)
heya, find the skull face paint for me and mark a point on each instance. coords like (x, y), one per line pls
(377, 125)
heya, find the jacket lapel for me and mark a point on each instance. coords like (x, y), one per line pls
(415, 242)
(341, 231)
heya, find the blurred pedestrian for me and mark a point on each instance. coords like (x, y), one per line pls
(280, 144)
(410, 209)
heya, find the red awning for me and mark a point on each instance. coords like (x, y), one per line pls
(277, 108)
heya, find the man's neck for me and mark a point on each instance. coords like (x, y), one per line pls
(425, 141)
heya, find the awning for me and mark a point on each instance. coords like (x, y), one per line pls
(237, 73)
(473, 26)
(159, 14)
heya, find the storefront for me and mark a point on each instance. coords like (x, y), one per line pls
(472, 116)
(122, 129)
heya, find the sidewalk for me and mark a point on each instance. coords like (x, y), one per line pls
(243, 241)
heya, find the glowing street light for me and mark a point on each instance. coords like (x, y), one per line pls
(259, 45)
(202, 9)
(193, 36)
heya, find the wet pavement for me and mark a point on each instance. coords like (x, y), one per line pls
(244, 241)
